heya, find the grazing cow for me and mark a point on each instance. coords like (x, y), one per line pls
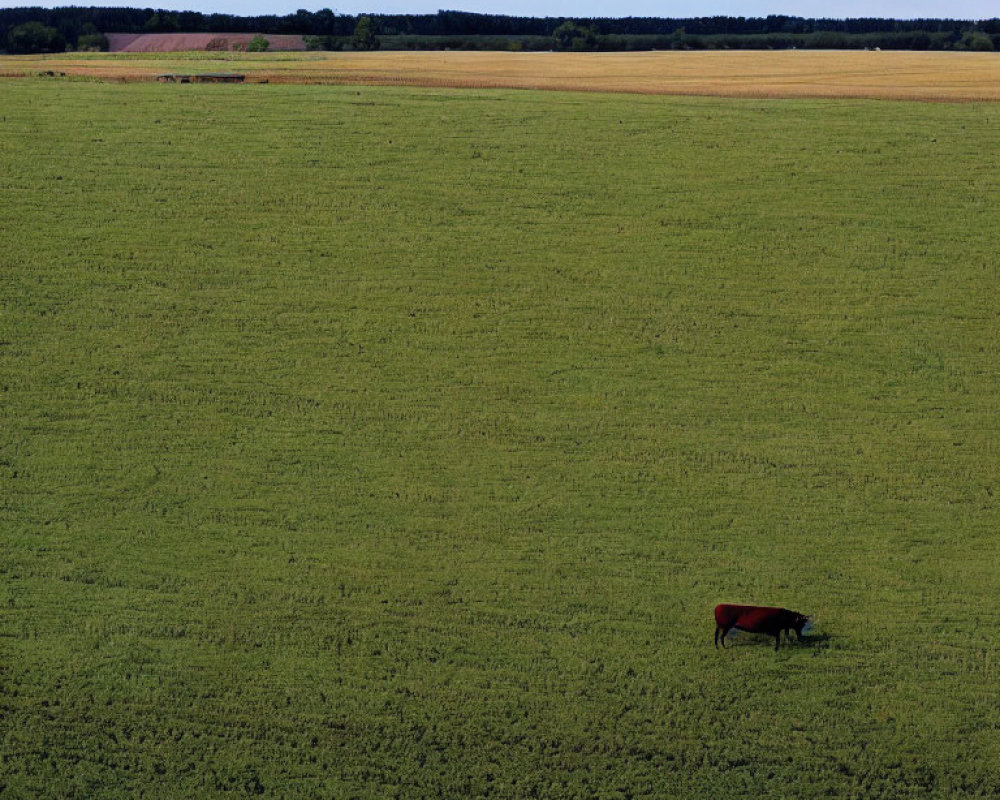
(759, 619)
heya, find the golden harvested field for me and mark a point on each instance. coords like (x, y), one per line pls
(788, 73)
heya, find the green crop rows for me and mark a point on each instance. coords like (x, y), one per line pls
(399, 443)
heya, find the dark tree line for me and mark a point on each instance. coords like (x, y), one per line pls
(463, 30)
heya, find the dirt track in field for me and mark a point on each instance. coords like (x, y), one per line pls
(788, 73)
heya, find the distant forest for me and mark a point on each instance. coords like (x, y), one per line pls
(40, 29)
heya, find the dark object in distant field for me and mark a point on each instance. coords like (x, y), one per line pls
(206, 77)
(218, 77)
(768, 620)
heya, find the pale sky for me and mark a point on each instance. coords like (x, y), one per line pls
(897, 9)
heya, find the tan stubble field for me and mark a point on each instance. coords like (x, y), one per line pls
(936, 76)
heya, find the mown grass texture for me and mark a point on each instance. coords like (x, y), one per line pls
(382, 442)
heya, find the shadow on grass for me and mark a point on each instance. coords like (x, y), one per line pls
(744, 639)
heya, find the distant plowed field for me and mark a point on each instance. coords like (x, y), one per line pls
(885, 75)
(179, 42)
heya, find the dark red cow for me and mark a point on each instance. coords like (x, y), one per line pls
(759, 619)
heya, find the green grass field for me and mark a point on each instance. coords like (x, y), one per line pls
(399, 443)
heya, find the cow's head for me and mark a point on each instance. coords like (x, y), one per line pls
(803, 624)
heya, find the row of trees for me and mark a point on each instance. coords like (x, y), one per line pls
(40, 30)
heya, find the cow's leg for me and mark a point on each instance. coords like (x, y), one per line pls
(717, 638)
(777, 640)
